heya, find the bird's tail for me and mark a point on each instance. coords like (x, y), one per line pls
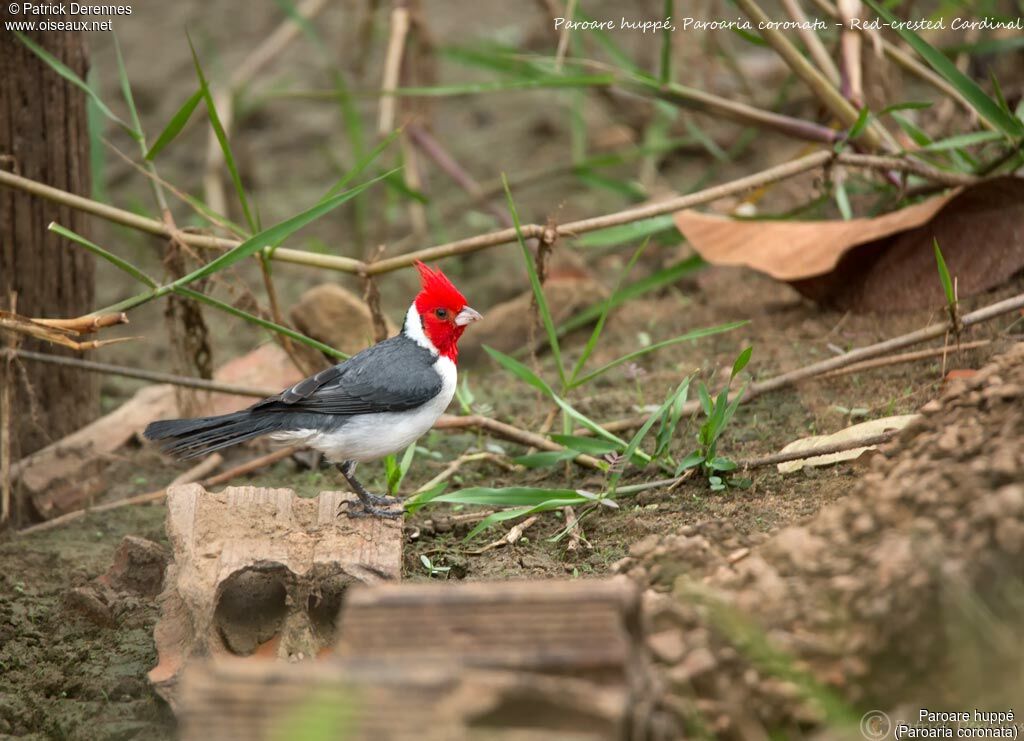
(189, 438)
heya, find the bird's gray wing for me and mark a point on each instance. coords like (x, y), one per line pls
(392, 376)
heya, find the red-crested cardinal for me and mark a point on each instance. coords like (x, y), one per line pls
(375, 403)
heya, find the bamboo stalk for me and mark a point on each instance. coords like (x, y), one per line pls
(829, 96)
(503, 236)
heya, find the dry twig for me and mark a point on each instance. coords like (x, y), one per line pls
(822, 367)
(504, 236)
(194, 474)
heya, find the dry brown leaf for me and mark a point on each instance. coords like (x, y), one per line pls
(854, 432)
(882, 263)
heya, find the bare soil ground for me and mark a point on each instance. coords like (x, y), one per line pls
(64, 675)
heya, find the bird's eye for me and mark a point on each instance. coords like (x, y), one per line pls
(441, 314)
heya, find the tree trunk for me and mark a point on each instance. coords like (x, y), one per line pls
(44, 136)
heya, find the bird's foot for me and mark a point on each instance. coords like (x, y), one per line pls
(354, 509)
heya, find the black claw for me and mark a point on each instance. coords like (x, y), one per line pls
(364, 510)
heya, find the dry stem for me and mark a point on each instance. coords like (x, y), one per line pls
(504, 236)
(822, 367)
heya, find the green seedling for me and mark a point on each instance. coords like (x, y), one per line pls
(949, 288)
(718, 413)
(395, 469)
(432, 570)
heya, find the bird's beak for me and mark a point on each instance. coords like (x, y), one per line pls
(467, 316)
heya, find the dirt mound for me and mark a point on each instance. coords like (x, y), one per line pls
(904, 592)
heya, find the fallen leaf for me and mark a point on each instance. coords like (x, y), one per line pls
(854, 432)
(884, 263)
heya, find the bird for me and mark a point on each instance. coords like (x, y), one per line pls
(375, 403)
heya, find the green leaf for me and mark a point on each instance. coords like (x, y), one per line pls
(126, 91)
(538, 290)
(545, 459)
(525, 374)
(259, 321)
(276, 234)
(222, 140)
(860, 124)
(843, 200)
(569, 82)
(693, 459)
(741, 362)
(588, 445)
(733, 406)
(272, 236)
(916, 135)
(624, 233)
(692, 335)
(963, 140)
(947, 281)
(511, 514)
(908, 106)
(113, 259)
(512, 496)
(660, 279)
(968, 88)
(634, 443)
(724, 464)
(68, 74)
(705, 400)
(176, 124)
(599, 327)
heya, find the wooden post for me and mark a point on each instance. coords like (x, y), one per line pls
(44, 136)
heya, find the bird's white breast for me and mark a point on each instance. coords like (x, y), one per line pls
(367, 437)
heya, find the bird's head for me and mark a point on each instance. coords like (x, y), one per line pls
(442, 311)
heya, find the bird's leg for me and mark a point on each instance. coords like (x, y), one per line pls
(369, 501)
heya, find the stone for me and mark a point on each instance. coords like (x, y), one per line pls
(138, 567)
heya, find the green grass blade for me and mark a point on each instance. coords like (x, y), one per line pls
(176, 124)
(660, 279)
(634, 443)
(266, 324)
(538, 290)
(276, 234)
(616, 235)
(947, 281)
(511, 514)
(968, 88)
(513, 496)
(693, 335)
(860, 124)
(741, 362)
(665, 67)
(222, 140)
(364, 161)
(588, 349)
(68, 74)
(919, 138)
(963, 140)
(272, 236)
(520, 371)
(705, 400)
(545, 459)
(568, 82)
(588, 445)
(110, 257)
(126, 91)
(525, 374)
(842, 200)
